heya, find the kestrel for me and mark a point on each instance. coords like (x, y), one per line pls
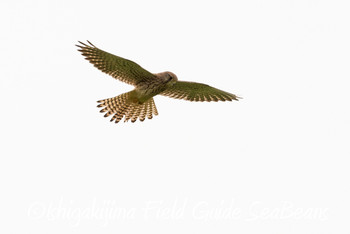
(139, 102)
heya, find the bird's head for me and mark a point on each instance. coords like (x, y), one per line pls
(168, 77)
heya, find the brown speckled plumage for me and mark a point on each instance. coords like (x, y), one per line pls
(139, 103)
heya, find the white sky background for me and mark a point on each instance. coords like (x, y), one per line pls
(275, 162)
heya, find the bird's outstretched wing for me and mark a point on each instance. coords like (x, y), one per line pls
(118, 67)
(198, 92)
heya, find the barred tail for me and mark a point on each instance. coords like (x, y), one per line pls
(126, 105)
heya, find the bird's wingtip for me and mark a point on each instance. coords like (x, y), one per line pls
(82, 43)
(237, 98)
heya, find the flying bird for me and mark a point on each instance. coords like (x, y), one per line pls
(139, 103)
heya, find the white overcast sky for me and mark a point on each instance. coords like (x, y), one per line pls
(274, 162)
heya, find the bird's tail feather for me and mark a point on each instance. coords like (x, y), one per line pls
(128, 106)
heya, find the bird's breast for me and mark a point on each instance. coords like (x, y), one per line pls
(148, 90)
